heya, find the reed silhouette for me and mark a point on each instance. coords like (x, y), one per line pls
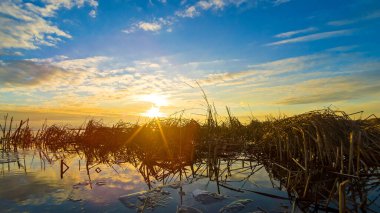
(321, 158)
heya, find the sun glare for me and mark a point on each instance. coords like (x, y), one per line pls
(154, 112)
(156, 99)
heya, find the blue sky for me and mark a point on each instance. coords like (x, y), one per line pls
(71, 59)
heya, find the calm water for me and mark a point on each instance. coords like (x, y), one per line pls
(34, 185)
(31, 181)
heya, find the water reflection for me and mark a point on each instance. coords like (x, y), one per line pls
(35, 180)
(155, 167)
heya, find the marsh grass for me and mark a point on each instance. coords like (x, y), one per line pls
(15, 135)
(310, 141)
(319, 155)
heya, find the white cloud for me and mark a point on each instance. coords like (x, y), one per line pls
(26, 25)
(279, 2)
(68, 4)
(312, 37)
(92, 13)
(146, 26)
(203, 5)
(263, 71)
(93, 3)
(87, 64)
(295, 32)
(190, 12)
(10, 52)
(373, 15)
(220, 3)
(342, 48)
(152, 26)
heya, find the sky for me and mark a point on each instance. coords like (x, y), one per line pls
(71, 60)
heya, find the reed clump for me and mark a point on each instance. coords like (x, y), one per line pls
(15, 135)
(318, 155)
(321, 139)
(312, 141)
(159, 139)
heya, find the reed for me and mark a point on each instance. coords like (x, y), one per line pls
(321, 139)
(15, 135)
(296, 150)
(310, 141)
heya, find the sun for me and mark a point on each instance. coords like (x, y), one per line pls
(154, 112)
(157, 101)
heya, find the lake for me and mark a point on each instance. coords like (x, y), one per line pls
(35, 180)
(31, 182)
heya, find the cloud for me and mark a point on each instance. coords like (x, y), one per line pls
(111, 85)
(146, 26)
(312, 37)
(343, 48)
(21, 28)
(343, 22)
(87, 81)
(310, 79)
(190, 12)
(49, 74)
(52, 6)
(152, 26)
(295, 32)
(316, 79)
(95, 85)
(28, 26)
(28, 73)
(204, 5)
(10, 52)
(279, 2)
(331, 90)
(263, 71)
(92, 13)
(89, 64)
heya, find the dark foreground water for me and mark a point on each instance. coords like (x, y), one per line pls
(32, 181)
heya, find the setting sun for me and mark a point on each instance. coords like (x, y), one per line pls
(154, 112)
(157, 101)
